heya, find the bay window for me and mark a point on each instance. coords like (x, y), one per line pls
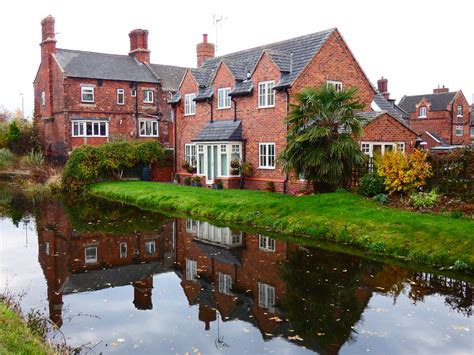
(86, 128)
(190, 154)
(213, 160)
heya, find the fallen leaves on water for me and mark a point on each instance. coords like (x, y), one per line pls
(121, 340)
(295, 337)
(461, 327)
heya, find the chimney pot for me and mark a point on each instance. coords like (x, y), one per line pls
(204, 38)
(382, 85)
(440, 90)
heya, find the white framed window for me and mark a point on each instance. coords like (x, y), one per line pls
(224, 163)
(422, 112)
(43, 98)
(191, 226)
(148, 128)
(191, 270)
(266, 296)
(87, 93)
(266, 95)
(223, 98)
(90, 254)
(374, 148)
(266, 243)
(460, 111)
(459, 131)
(472, 131)
(90, 128)
(225, 283)
(120, 97)
(190, 154)
(150, 247)
(334, 83)
(200, 161)
(123, 250)
(266, 155)
(133, 93)
(189, 104)
(46, 248)
(148, 96)
(235, 153)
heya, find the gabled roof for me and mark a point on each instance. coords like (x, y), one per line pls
(439, 102)
(385, 105)
(220, 130)
(93, 65)
(303, 49)
(170, 75)
(437, 138)
(242, 88)
(204, 94)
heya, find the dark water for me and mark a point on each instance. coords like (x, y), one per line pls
(121, 280)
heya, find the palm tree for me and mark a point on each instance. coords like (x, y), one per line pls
(320, 145)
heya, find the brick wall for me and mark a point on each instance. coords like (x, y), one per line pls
(387, 129)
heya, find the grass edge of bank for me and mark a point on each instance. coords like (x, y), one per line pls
(356, 230)
(16, 337)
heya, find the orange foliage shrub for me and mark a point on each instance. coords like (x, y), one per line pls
(403, 173)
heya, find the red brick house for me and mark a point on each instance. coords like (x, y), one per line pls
(91, 98)
(441, 118)
(234, 106)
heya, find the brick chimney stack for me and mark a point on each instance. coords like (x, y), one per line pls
(204, 50)
(382, 85)
(440, 90)
(139, 45)
(48, 40)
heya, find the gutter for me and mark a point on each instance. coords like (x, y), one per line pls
(285, 183)
(235, 108)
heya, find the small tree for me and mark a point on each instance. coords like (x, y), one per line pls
(403, 173)
(320, 146)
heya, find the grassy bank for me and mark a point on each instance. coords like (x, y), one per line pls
(339, 217)
(16, 337)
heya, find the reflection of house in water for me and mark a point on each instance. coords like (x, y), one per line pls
(233, 275)
(75, 261)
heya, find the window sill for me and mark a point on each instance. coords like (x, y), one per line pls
(140, 136)
(224, 108)
(422, 116)
(190, 114)
(263, 107)
(266, 168)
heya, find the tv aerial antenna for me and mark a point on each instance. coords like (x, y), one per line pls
(217, 21)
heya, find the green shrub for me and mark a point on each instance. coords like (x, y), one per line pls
(381, 198)
(270, 186)
(455, 214)
(3, 135)
(187, 180)
(371, 184)
(20, 137)
(88, 164)
(33, 159)
(460, 265)
(424, 199)
(6, 158)
(13, 132)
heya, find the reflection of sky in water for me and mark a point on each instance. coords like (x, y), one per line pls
(172, 326)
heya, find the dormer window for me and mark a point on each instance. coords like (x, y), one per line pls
(422, 112)
(460, 111)
(223, 98)
(337, 85)
(266, 95)
(189, 104)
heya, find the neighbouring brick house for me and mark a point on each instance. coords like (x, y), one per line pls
(441, 118)
(234, 106)
(91, 98)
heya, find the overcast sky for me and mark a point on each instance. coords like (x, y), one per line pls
(416, 44)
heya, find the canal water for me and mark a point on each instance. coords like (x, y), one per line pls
(117, 279)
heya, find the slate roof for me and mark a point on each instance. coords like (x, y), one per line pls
(242, 88)
(93, 65)
(437, 138)
(439, 102)
(204, 94)
(303, 49)
(385, 105)
(220, 130)
(170, 75)
(174, 99)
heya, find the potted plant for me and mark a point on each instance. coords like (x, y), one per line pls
(270, 186)
(217, 184)
(196, 181)
(175, 179)
(187, 180)
(191, 169)
(235, 167)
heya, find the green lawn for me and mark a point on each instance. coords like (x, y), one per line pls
(16, 338)
(340, 217)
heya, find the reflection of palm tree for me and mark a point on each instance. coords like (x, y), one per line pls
(219, 342)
